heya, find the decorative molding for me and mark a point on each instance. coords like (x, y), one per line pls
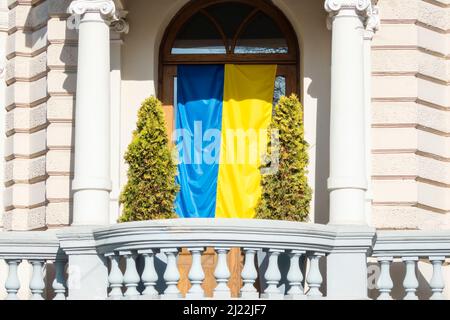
(372, 22)
(78, 8)
(105, 7)
(120, 24)
(336, 5)
(366, 9)
(233, 232)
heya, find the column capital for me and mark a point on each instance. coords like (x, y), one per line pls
(334, 6)
(352, 8)
(106, 8)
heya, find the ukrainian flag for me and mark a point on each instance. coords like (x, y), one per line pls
(222, 117)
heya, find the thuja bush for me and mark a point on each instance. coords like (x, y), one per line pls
(286, 194)
(151, 189)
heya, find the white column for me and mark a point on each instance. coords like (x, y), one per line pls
(348, 182)
(372, 25)
(92, 181)
(348, 179)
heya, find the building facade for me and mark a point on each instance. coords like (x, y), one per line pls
(399, 102)
(409, 113)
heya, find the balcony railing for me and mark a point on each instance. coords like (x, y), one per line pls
(139, 260)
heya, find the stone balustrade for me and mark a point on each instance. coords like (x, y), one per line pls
(281, 260)
(41, 250)
(128, 243)
(410, 247)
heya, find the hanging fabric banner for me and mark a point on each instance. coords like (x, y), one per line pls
(222, 117)
(199, 109)
(247, 113)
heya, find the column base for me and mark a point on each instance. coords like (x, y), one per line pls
(347, 276)
(88, 278)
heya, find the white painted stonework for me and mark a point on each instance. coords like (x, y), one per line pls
(375, 84)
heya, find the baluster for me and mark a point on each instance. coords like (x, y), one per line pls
(437, 283)
(115, 277)
(59, 283)
(273, 276)
(149, 276)
(12, 284)
(37, 284)
(384, 282)
(222, 275)
(171, 275)
(314, 277)
(249, 275)
(196, 275)
(131, 277)
(295, 277)
(411, 283)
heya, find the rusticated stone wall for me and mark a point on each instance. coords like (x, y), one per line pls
(411, 115)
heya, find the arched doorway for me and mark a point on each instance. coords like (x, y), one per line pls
(226, 32)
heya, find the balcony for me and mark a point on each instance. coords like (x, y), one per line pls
(280, 260)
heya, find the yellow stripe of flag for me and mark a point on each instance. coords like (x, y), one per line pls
(247, 113)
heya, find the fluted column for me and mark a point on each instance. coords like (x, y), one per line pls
(92, 182)
(348, 180)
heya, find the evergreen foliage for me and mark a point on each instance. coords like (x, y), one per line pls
(286, 194)
(151, 189)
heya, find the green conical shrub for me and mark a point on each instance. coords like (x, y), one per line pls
(285, 191)
(151, 189)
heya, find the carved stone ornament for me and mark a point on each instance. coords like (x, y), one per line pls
(373, 20)
(119, 24)
(333, 6)
(366, 9)
(106, 7)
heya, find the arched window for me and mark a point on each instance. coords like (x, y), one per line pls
(228, 31)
